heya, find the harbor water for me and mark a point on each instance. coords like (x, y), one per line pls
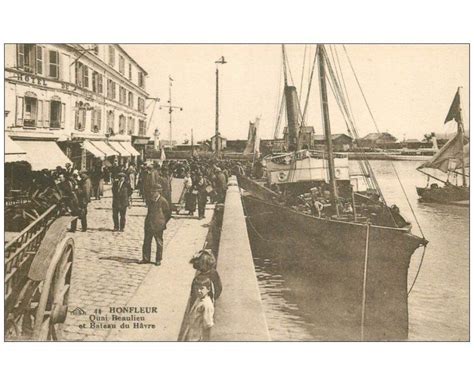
(439, 301)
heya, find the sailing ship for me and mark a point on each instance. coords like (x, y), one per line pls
(452, 162)
(369, 243)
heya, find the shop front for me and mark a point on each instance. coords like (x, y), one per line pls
(139, 143)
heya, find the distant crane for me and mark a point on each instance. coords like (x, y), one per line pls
(171, 108)
(221, 61)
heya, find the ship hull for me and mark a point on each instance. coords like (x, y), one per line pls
(337, 252)
(446, 195)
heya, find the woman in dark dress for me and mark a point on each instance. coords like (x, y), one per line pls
(191, 196)
(201, 186)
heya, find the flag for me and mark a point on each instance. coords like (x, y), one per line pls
(455, 109)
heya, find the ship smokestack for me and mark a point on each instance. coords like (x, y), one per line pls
(291, 99)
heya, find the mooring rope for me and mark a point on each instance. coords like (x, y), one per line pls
(418, 271)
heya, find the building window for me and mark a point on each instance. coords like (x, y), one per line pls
(121, 65)
(111, 56)
(122, 124)
(31, 112)
(130, 100)
(100, 84)
(110, 122)
(131, 125)
(122, 95)
(141, 80)
(26, 57)
(55, 115)
(39, 60)
(53, 64)
(97, 82)
(80, 120)
(141, 127)
(82, 75)
(129, 71)
(111, 89)
(95, 48)
(86, 77)
(96, 120)
(141, 104)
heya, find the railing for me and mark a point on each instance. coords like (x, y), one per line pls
(19, 254)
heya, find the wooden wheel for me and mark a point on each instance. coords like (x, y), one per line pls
(53, 304)
(19, 324)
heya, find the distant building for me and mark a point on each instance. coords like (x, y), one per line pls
(165, 143)
(306, 136)
(413, 143)
(341, 142)
(221, 142)
(237, 145)
(378, 140)
(268, 146)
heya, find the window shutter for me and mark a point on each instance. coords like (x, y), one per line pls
(45, 62)
(19, 110)
(63, 114)
(60, 67)
(39, 59)
(20, 58)
(40, 113)
(99, 119)
(47, 108)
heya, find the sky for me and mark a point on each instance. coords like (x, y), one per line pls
(409, 88)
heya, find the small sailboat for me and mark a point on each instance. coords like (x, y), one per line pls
(449, 166)
(369, 244)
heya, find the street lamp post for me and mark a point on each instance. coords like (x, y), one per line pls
(219, 61)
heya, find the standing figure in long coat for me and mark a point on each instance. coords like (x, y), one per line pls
(159, 213)
(121, 192)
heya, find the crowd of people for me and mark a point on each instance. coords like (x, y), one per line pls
(203, 181)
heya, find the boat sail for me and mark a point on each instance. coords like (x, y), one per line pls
(369, 244)
(452, 160)
(253, 140)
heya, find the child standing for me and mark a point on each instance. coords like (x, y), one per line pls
(200, 318)
(205, 263)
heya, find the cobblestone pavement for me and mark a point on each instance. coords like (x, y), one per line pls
(105, 270)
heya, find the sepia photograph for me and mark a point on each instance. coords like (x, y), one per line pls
(236, 192)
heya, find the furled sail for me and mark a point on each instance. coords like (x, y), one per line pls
(253, 140)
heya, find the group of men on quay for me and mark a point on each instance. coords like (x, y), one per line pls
(204, 180)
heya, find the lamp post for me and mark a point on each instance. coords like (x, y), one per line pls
(219, 61)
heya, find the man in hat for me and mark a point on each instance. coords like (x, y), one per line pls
(158, 215)
(221, 185)
(121, 192)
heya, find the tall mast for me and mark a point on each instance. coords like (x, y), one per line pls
(461, 130)
(284, 64)
(327, 125)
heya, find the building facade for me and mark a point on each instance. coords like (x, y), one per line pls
(89, 99)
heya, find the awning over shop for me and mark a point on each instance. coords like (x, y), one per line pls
(104, 148)
(119, 148)
(14, 152)
(93, 150)
(128, 146)
(43, 154)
